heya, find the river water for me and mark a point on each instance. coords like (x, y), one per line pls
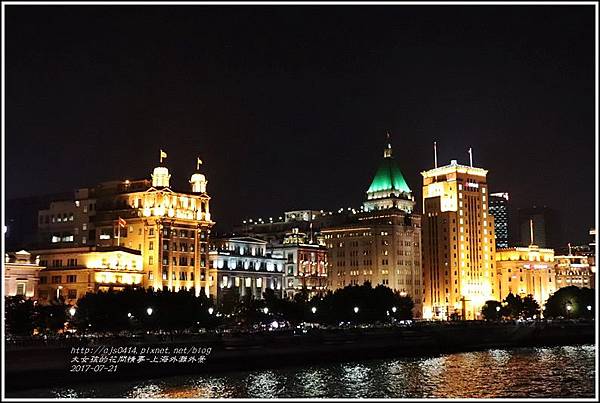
(566, 371)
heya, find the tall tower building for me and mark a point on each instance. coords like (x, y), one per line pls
(382, 243)
(499, 209)
(458, 242)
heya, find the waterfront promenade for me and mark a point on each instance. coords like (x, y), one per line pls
(50, 363)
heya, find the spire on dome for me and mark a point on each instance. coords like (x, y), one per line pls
(387, 151)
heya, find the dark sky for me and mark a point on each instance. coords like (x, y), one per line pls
(288, 106)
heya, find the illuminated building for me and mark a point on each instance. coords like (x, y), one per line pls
(21, 274)
(305, 264)
(588, 250)
(170, 228)
(275, 229)
(382, 243)
(241, 266)
(574, 270)
(70, 273)
(498, 204)
(68, 222)
(21, 220)
(458, 242)
(525, 271)
(546, 225)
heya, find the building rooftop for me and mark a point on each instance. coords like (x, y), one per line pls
(454, 167)
(388, 176)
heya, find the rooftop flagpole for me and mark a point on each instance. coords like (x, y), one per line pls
(435, 153)
(471, 156)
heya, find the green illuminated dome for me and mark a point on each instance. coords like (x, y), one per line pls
(388, 177)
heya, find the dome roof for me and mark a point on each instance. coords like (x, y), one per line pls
(197, 177)
(161, 171)
(388, 178)
(160, 177)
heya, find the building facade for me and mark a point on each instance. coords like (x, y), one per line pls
(242, 266)
(70, 273)
(574, 270)
(310, 222)
(525, 271)
(21, 274)
(458, 242)
(171, 229)
(498, 204)
(382, 243)
(306, 264)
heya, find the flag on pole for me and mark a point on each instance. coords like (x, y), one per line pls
(122, 222)
(162, 155)
(198, 163)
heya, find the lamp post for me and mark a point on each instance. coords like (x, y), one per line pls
(72, 311)
(569, 307)
(210, 310)
(314, 309)
(266, 310)
(149, 311)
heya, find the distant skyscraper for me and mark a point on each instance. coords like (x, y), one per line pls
(458, 242)
(499, 209)
(546, 227)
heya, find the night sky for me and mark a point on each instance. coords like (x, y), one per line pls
(288, 106)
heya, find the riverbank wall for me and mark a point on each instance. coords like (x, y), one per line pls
(29, 367)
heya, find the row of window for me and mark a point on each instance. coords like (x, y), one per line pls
(71, 278)
(182, 247)
(55, 218)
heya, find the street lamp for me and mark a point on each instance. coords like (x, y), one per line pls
(149, 311)
(72, 311)
(589, 307)
(355, 309)
(394, 309)
(129, 315)
(569, 307)
(266, 310)
(497, 309)
(313, 309)
(210, 310)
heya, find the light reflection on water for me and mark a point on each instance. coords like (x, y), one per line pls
(524, 372)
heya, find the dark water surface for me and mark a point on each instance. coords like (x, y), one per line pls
(566, 371)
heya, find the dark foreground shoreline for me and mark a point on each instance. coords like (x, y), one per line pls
(38, 367)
